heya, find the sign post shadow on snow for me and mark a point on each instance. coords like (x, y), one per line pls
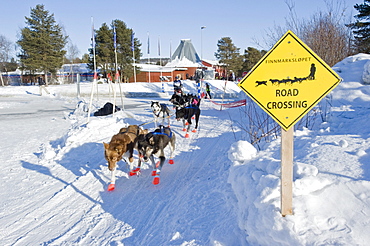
(287, 83)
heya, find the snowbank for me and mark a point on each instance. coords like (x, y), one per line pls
(331, 195)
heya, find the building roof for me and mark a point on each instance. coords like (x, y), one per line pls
(185, 56)
(212, 62)
(156, 68)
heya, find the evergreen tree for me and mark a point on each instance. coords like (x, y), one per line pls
(251, 57)
(104, 49)
(228, 54)
(85, 58)
(124, 49)
(361, 28)
(104, 52)
(42, 42)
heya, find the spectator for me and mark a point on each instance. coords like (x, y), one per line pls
(177, 85)
(208, 91)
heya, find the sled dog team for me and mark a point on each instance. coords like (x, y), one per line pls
(150, 144)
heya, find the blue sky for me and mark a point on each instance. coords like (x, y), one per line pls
(167, 20)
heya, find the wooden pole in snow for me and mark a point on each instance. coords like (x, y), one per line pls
(1, 77)
(287, 171)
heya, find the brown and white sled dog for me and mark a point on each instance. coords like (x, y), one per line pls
(153, 144)
(160, 111)
(123, 142)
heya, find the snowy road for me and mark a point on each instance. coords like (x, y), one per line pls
(60, 196)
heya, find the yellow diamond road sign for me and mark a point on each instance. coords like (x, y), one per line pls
(289, 80)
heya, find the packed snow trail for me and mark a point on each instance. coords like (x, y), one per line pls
(191, 199)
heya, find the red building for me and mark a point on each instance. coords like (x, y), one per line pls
(183, 64)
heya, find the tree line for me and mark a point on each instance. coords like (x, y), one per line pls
(43, 45)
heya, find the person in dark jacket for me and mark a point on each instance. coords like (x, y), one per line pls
(208, 91)
(177, 85)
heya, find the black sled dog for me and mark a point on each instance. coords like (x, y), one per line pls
(187, 108)
(186, 113)
(153, 144)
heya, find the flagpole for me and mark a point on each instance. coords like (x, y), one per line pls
(95, 75)
(115, 76)
(171, 59)
(133, 53)
(159, 53)
(149, 56)
(160, 62)
(95, 72)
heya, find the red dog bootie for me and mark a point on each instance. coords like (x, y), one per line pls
(136, 171)
(156, 177)
(111, 187)
(156, 180)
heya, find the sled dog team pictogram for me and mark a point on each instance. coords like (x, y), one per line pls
(277, 82)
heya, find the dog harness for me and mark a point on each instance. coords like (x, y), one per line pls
(135, 133)
(192, 106)
(163, 133)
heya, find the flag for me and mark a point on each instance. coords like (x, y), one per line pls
(171, 50)
(114, 38)
(117, 75)
(92, 34)
(132, 41)
(202, 27)
(148, 45)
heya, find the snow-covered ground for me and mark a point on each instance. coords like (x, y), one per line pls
(220, 191)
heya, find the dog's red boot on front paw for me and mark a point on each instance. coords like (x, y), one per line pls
(195, 130)
(111, 187)
(156, 180)
(170, 161)
(187, 135)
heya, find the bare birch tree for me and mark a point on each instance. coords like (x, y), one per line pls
(5, 53)
(325, 32)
